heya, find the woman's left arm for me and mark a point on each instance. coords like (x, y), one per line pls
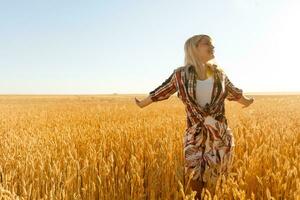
(236, 94)
(245, 101)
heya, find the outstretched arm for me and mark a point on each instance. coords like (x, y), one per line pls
(236, 94)
(143, 103)
(246, 101)
(162, 92)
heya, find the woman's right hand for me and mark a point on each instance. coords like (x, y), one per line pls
(138, 102)
(144, 102)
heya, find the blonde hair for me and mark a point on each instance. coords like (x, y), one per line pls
(190, 49)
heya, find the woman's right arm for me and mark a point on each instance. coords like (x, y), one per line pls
(162, 92)
(143, 103)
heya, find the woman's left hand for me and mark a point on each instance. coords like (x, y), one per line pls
(248, 102)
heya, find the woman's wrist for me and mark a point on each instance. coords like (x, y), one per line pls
(245, 100)
(146, 101)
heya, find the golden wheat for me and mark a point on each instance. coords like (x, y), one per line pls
(105, 147)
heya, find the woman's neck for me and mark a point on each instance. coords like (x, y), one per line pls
(202, 71)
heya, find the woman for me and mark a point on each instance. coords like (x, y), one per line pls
(203, 87)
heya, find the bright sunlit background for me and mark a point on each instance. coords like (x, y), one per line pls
(99, 47)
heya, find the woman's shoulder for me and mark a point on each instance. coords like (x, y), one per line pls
(187, 67)
(182, 68)
(215, 67)
(221, 72)
(218, 69)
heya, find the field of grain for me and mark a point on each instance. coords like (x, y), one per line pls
(105, 147)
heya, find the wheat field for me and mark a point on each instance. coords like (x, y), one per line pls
(106, 147)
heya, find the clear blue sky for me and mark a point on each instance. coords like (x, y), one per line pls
(95, 47)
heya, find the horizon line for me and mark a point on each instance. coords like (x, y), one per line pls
(116, 93)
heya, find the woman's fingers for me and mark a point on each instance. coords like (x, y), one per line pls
(250, 101)
(138, 102)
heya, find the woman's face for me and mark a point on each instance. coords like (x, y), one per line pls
(205, 49)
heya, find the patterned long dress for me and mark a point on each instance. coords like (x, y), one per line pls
(208, 140)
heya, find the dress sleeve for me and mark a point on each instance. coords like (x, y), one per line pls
(234, 93)
(165, 90)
